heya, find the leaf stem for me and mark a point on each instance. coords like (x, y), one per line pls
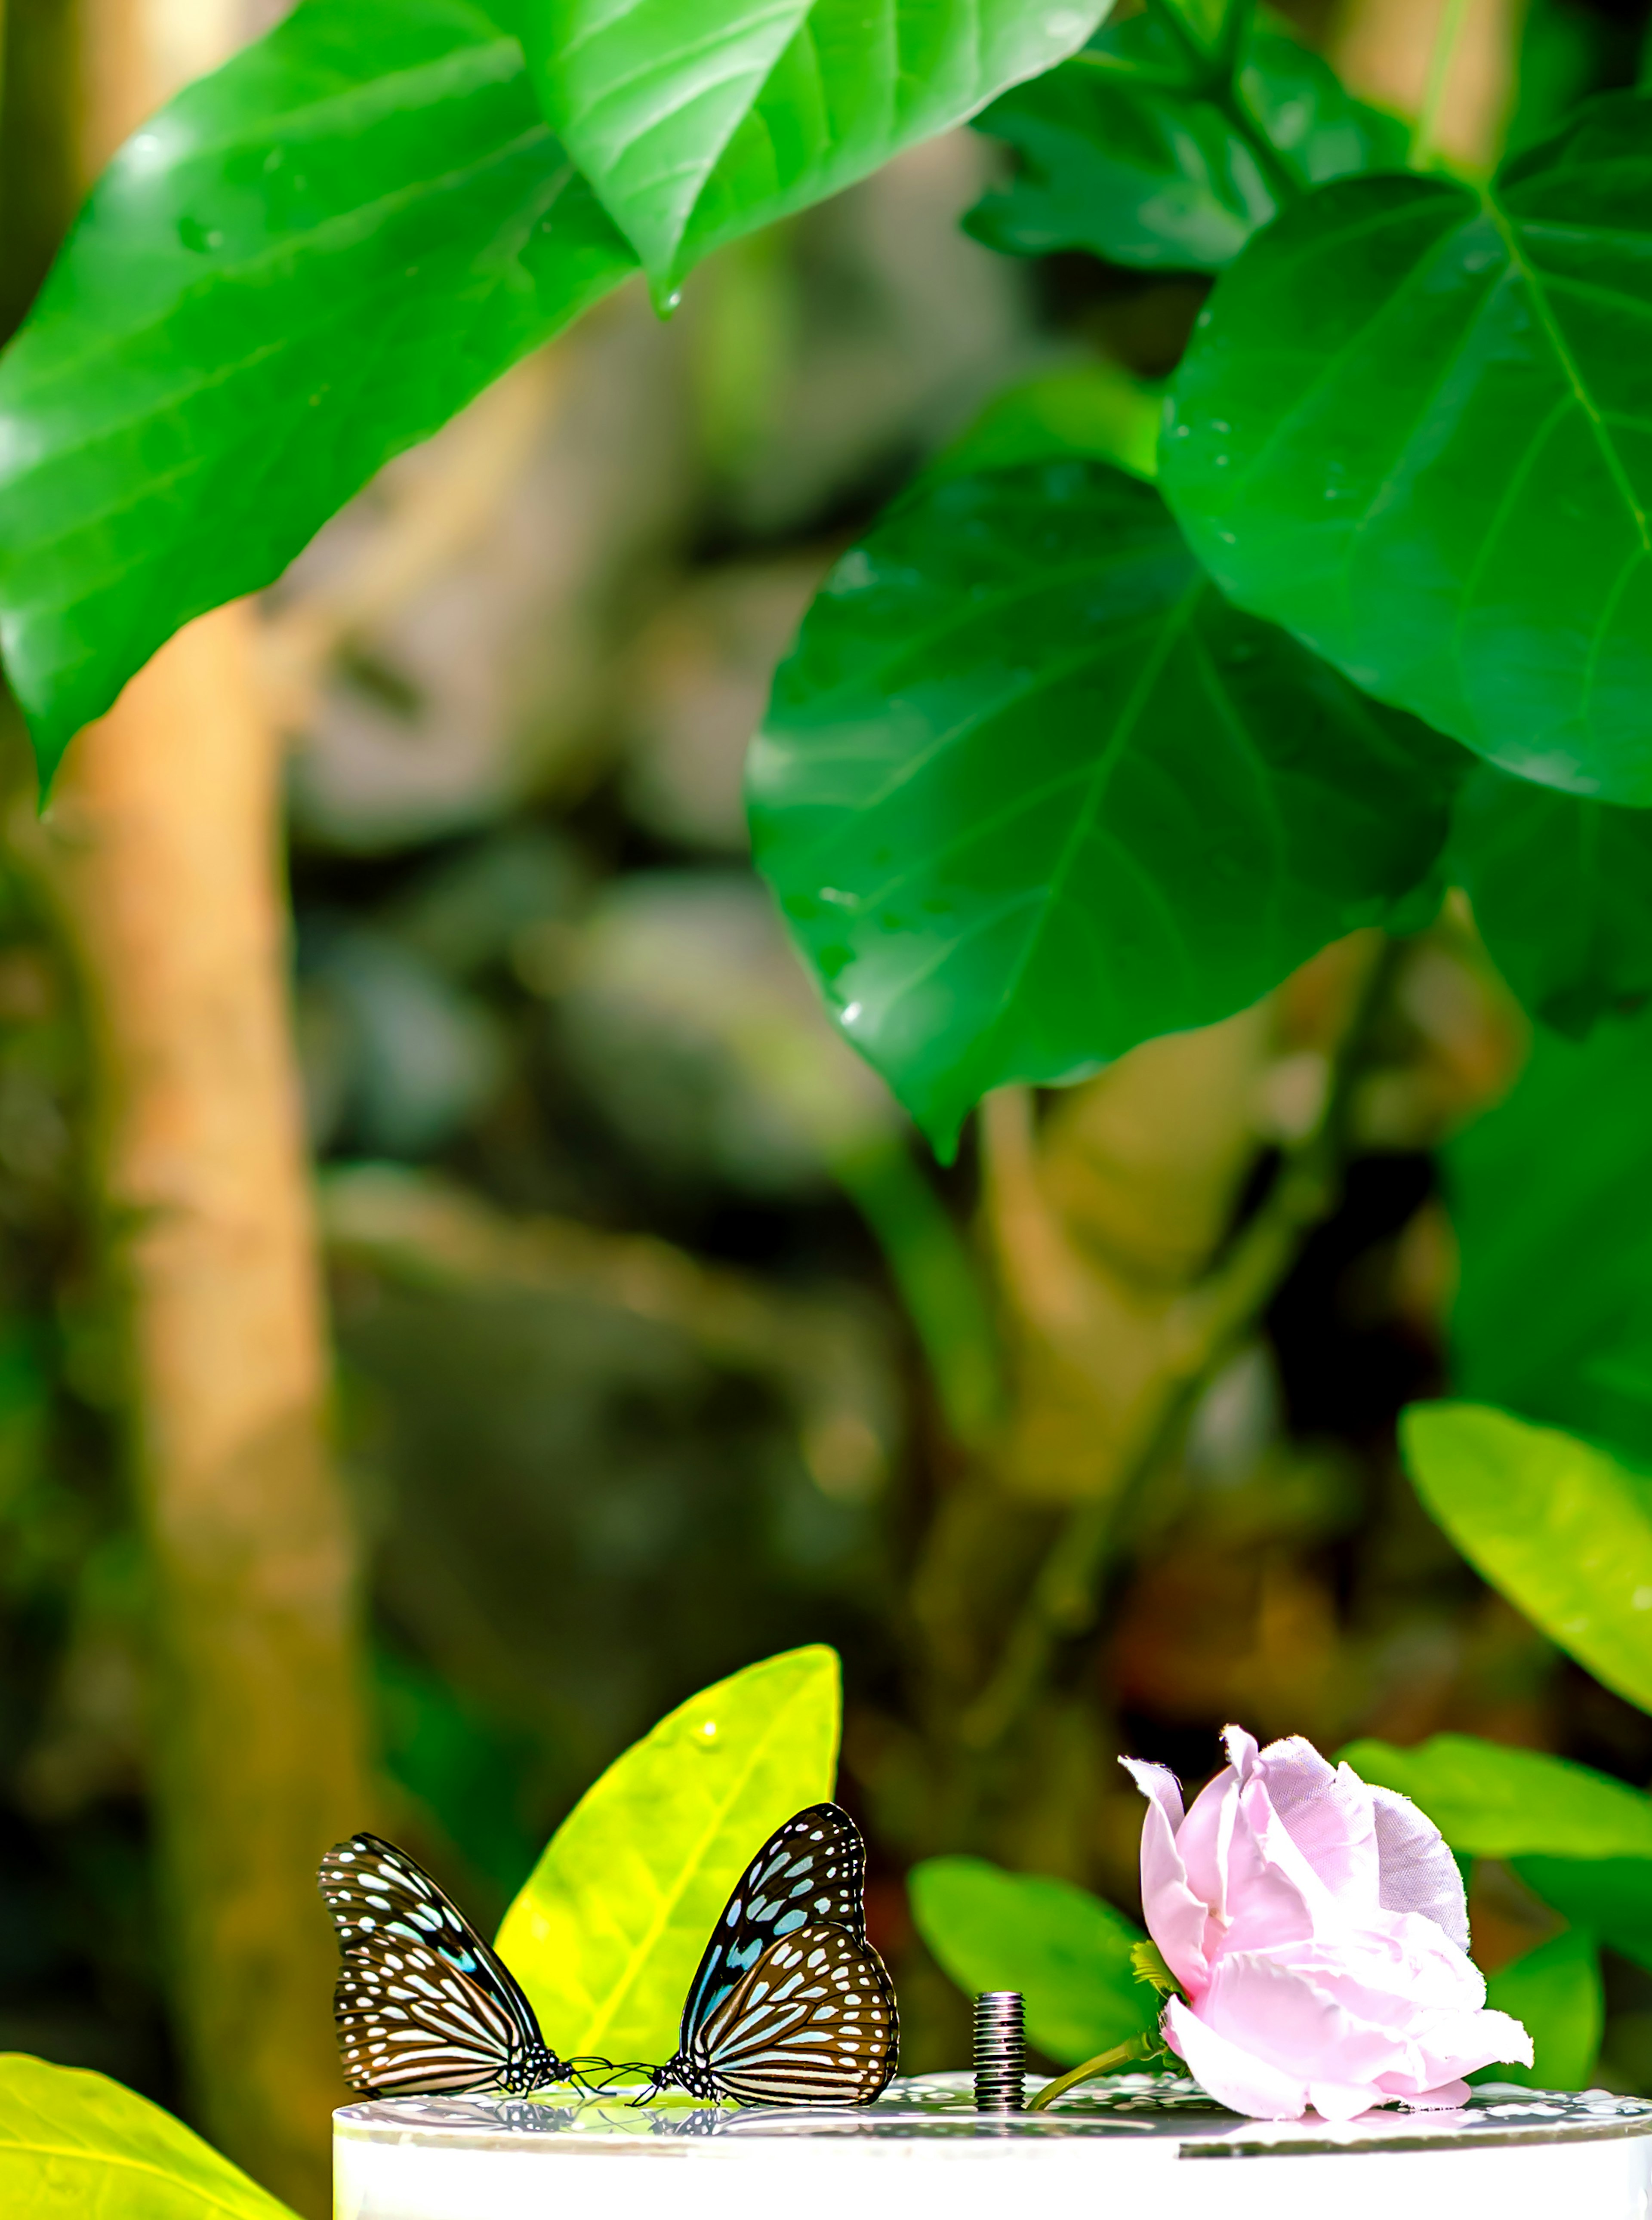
(1447, 32)
(1122, 2054)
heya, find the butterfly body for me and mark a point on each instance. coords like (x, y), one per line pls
(422, 2005)
(790, 2004)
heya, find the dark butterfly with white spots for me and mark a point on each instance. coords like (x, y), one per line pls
(791, 2004)
(422, 2004)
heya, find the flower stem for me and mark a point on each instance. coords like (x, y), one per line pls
(1122, 2054)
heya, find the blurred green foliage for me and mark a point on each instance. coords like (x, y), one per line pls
(662, 1345)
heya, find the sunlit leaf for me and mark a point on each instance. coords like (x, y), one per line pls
(698, 120)
(301, 265)
(1064, 1949)
(1561, 1529)
(1555, 1992)
(1562, 891)
(1031, 791)
(1413, 426)
(607, 1933)
(1550, 1195)
(74, 2145)
(1492, 1802)
(1096, 410)
(1129, 152)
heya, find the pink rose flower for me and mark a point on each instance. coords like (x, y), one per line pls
(1319, 1930)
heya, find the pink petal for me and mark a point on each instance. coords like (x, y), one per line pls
(1280, 2007)
(1270, 1892)
(1241, 1748)
(1336, 2100)
(1176, 1917)
(1418, 1874)
(1327, 1812)
(1232, 2075)
(1447, 2098)
(1202, 1839)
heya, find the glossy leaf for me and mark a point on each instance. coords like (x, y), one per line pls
(607, 1933)
(1555, 1992)
(1127, 152)
(1064, 1949)
(73, 2143)
(698, 120)
(304, 264)
(1415, 426)
(1029, 791)
(1550, 1193)
(1562, 891)
(1492, 1802)
(1561, 1529)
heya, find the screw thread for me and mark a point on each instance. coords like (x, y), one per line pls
(1000, 2051)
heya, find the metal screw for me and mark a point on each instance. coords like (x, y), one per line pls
(1000, 2051)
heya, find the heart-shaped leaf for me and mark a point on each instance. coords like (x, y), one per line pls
(304, 264)
(607, 1933)
(1064, 1949)
(1131, 151)
(73, 2143)
(698, 120)
(1415, 426)
(1031, 791)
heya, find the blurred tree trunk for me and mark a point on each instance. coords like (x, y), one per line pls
(160, 847)
(161, 850)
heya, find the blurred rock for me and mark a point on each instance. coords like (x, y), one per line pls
(703, 673)
(690, 1020)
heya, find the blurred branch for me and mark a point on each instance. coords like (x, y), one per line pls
(936, 1276)
(429, 518)
(428, 1232)
(1200, 1329)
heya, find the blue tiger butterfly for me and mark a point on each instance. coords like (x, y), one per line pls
(422, 2004)
(791, 2004)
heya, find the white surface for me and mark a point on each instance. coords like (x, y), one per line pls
(923, 2153)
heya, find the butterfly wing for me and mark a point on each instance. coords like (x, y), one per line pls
(811, 1870)
(422, 2004)
(813, 2023)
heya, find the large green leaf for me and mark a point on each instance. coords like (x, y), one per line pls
(1029, 791)
(1563, 895)
(1131, 150)
(1555, 1992)
(1415, 427)
(1492, 1802)
(74, 2145)
(1608, 1897)
(301, 265)
(1551, 1196)
(607, 1932)
(698, 120)
(1066, 1951)
(1561, 1529)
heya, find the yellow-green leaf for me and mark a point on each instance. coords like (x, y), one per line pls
(605, 1934)
(1561, 1528)
(74, 2145)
